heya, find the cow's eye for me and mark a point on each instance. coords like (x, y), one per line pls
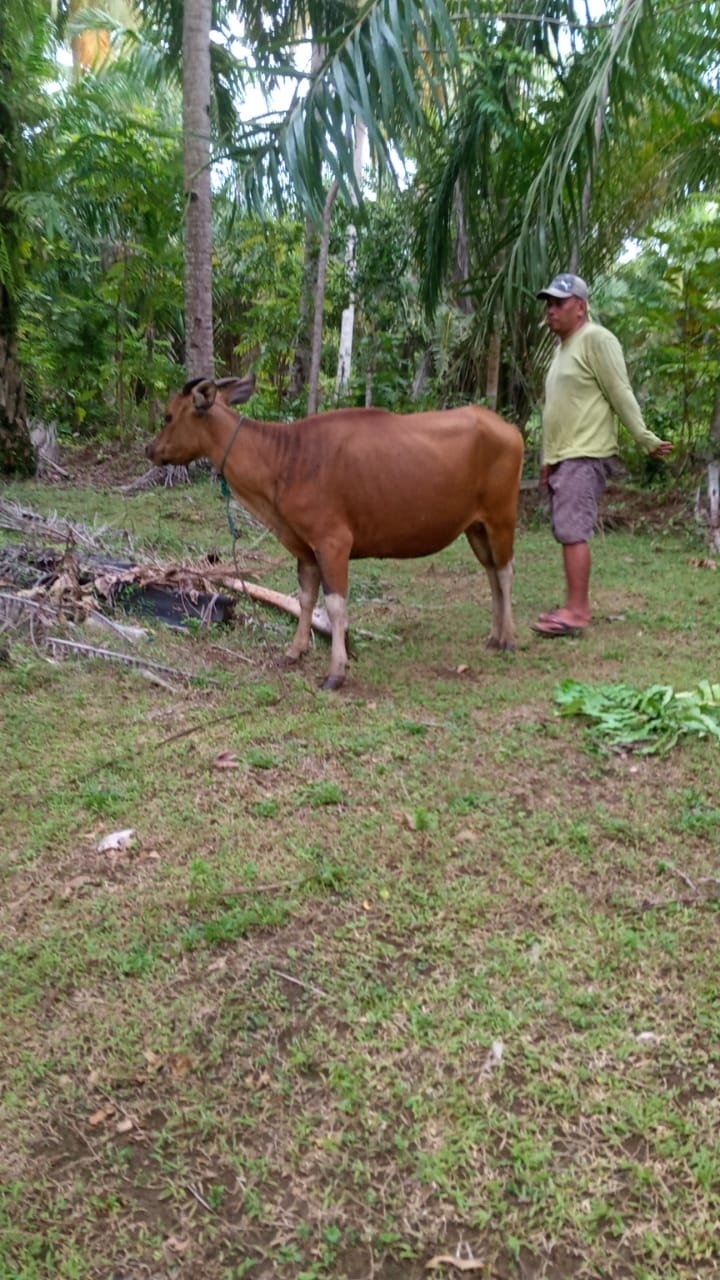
(168, 417)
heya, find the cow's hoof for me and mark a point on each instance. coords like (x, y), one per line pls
(500, 646)
(288, 661)
(331, 683)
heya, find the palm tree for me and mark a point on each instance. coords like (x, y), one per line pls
(561, 148)
(21, 39)
(199, 360)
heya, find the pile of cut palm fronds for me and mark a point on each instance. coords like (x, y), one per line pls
(53, 527)
(650, 721)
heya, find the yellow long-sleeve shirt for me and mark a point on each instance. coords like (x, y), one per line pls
(586, 386)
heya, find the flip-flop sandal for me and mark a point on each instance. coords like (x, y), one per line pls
(557, 628)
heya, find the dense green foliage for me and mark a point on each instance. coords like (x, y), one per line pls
(665, 306)
(535, 140)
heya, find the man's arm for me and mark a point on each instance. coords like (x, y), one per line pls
(611, 372)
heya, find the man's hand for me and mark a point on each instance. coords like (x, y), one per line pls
(662, 450)
(544, 474)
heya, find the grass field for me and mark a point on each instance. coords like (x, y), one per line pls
(421, 985)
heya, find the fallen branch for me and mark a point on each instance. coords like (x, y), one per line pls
(266, 595)
(163, 742)
(306, 986)
(45, 461)
(694, 886)
(197, 1196)
(682, 876)
(289, 604)
(232, 653)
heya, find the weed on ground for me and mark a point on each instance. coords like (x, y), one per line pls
(408, 980)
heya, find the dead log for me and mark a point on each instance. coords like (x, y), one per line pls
(278, 599)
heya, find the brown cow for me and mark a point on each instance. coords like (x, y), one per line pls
(352, 483)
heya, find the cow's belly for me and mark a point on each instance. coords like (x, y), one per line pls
(411, 540)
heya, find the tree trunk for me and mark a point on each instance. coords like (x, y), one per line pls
(495, 341)
(492, 376)
(17, 455)
(314, 383)
(300, 373)
(462, 254)
(713, 481)
(422, 375)
(347, 323)
(198, 209)
(715, 424)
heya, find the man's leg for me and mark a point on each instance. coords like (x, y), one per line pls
(575, 488)
(575, 613)
(577, 562)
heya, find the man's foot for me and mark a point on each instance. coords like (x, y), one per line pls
(555, 628)
(561, 622)
(573, 617)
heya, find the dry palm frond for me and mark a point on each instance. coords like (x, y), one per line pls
(56, 528)
(170, 477)
(59, 648)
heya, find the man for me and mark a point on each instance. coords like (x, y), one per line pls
(587, 385)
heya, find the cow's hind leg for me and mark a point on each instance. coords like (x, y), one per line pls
(309, 582)
(493, 549)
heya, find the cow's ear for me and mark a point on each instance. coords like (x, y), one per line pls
(203, 395)
(236, 390)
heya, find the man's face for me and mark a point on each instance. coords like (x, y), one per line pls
(565, 315)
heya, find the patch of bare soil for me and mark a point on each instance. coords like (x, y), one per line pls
(101, 465)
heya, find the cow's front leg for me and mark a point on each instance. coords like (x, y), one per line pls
(333, 563)
(309, 581)
(494, 548)
(336, 606)
(502, 635)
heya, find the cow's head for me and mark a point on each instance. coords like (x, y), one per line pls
(184, 436)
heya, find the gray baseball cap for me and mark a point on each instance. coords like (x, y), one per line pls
(565, 286)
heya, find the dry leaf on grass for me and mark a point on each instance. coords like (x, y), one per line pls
(116, 840)
(460, 1264)
(494, 1057)
(466, 836)
(74, 885)
(99, 1117)
(226, 760)
(176, 1245)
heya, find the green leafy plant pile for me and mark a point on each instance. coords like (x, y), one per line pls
(650, 721)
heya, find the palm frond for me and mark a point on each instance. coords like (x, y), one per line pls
(397, 56)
